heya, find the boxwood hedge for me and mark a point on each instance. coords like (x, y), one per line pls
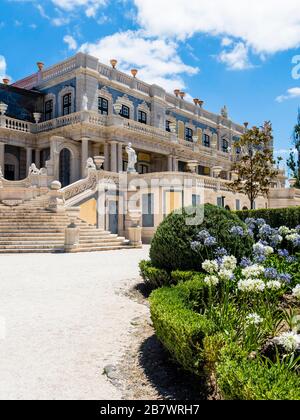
(289, 217)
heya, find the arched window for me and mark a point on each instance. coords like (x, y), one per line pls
(49, 110)
(65, 167)
(225, 146)
(125, 112)
(103, 106)
(67, 104)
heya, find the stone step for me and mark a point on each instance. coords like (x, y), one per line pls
(40, 243)
(32, 246)
(102, 248)
(32, 251)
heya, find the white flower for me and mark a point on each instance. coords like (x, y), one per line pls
(229, 263)
(226, 275)
(274, 285)
(290, 341)
(296, 292)
(254, 319)
(293, 237)
(269, 250)
(211, 280)
(253, 271)
(284, 230)
(261, 249)
(251, 285)
(210, 267)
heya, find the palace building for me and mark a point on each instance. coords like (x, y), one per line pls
(61, 116)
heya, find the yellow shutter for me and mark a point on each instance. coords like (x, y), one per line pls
(181, 130)
(200, 135)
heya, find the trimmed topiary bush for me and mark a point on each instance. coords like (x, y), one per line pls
(171, 247)
(152, 276)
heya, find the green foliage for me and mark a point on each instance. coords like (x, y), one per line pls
(244, 379)
(171, 245)
(177, 326)
(183, 276)
(255, 169)
(289, 217)
(152, 276)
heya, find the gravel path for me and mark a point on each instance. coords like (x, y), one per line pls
(66, 318)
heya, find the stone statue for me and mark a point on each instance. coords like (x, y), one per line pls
(33, 170)
(224, 112)
(132, 159)
(90, 164)
(1, 173)
(85, 102)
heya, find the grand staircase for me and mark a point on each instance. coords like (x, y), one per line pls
(30, 228)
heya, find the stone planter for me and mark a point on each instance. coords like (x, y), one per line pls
(37, 117)
(99, 160)
(3, 108)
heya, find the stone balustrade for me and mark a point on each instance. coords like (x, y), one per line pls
(15, 124)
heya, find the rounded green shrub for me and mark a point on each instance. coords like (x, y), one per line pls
(171, 246)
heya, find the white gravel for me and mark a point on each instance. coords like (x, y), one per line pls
(64, 321)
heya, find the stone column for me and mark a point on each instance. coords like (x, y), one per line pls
(106, 155)
(28, 158)
(84, 155)
(2, 151)
(113, 157)
(170, 163)
(120, 157)
(38, 158)
(175, 164)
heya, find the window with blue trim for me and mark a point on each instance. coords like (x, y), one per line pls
(125, 112)
(225, 146)
(103, 106)
(49, 110)
(188, 134)
(206, 140)
(142, 117)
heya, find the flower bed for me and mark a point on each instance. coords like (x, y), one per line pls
(238, 321)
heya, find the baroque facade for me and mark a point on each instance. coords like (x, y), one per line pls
(60, 117)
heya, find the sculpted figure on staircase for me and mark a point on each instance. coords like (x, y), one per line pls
(132, 159)
(90, 164)
(33, 170)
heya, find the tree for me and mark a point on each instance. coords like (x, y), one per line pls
(255, 170)
(294, 163)
(296, 138)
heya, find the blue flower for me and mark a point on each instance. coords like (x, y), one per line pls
(210, 241)
(245, 262)
(195, 246)
(271, 273)
(260, 222)
(275, 240)
(221, 252)
(283, 253)
(266, 231)
(291, 259)
(259, 259)
(285, 277)
(204, 234)
(237, 231)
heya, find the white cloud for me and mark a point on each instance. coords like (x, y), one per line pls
(60, 21)
(2, 67)
(267, 26)
(291, 94)
(71, 42)
(236, 58)
(157, 59)
(91, 6)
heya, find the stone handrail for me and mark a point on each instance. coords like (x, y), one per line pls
(15, 124)
(59, 69)
(80, 186)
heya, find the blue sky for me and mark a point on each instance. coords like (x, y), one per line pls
(222, 51)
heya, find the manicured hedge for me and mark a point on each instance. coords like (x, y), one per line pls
(177, 326)
(289, 217)
(194, 342)
(171, 246)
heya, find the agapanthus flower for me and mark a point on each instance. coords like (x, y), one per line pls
(237, 231)
(275, 240)
(253, 319)
(290, 341)
(251, 285)
(259, 259)
(204, 234)
(221, 252)
(226, 275)
(260, 222)
(294, 238)
(211, 280)
(253, 271)
(266, 231)
(261, 249)
(229, 263)
(210, 241)
(296, 292)
(274, 285)
(245, 262)
(210, 266)
(284, 230)
(271, 273)
(195, 245)
(283, 253)
(285, 277)
(291, 259)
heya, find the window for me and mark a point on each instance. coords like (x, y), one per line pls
(237, 205)
(168, 126)
(206, 140)
(125, 112)
(143, 169)
(103, 106)
(67, 104)
(142, 117)
(188, 134)
(148, 210)
(196, 200)
(221, 202)
(225, 146)
(49, 110)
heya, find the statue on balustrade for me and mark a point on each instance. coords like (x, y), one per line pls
(132, 159)
(90, 164)
(1, 173)
(85, 102)
(33, 170)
